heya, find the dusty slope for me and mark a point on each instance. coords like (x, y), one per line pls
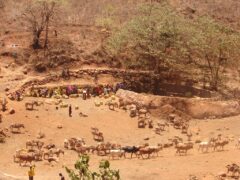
(199, 108)
(117, 127)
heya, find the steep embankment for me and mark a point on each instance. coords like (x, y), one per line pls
(195, 107)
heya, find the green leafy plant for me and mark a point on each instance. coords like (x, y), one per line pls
(82, 171)
(160, 37)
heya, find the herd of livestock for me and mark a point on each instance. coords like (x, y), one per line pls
(36, 150)
(116, 150)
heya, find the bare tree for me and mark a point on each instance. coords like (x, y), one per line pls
(49, 9)
(38, 15)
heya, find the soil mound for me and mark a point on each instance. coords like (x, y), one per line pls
(195, 107)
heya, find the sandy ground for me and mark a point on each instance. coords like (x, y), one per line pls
(118, 127)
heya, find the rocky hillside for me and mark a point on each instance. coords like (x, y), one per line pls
(81, 28)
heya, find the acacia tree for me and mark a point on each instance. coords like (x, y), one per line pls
(151, 37)
(159, 37)
(38, 15)
(214, 47)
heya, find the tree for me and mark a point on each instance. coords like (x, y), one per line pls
(106, 20)
(215, 46)
(83, 172)
(49, 9)
(38, 15)
(160, 37)
(152, 36)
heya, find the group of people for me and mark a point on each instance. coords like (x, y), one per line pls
(73, 89)
(48, 92)
(17, 95)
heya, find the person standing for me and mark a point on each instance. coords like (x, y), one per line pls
(88, 93)
(4, 104)
(84, 94)
(70, 111)
(61, 176)
(18, 95)
(31, 172)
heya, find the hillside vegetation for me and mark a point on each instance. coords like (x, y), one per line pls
(194, 37)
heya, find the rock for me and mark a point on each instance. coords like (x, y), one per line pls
(40, 67)
(97, 103)
(59, 127)
(76, 107)
(198, 141)
(193, 177)
(83, 115)
(57, 97)
(25, 71)
(63, 105)
(41, 135)
(74, 96)
(65, 96)
(7, 89)
(11, 111)
(222, 174)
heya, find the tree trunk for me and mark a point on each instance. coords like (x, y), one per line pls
(156, 86)
(46, 35)
(36, 40)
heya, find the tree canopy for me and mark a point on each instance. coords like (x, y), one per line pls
(158, 36)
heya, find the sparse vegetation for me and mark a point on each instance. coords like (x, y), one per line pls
(38, 15)
(159, 37)
(83, 172)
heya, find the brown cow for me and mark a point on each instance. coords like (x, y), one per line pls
(28, 158)
(219, 144)
(182, 148)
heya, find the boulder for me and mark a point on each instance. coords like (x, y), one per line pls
(11, 111)
(40, 135)
(63, 105)
(74, 96)
(40, 67)
(65, 96)
(59, 126)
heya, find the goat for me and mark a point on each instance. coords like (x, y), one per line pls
(116, 153)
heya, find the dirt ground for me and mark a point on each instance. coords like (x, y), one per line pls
(118, 127)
